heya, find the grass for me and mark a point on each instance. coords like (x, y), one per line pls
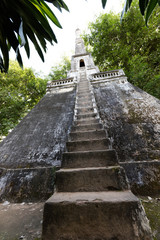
(152, 208)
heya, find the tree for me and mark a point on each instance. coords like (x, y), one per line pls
(60, 70)
(146, 7)
(24, 20)
(129, 45)
(20, 90)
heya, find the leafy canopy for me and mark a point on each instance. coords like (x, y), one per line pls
(60, 70)
(129, 45)
(20, 90)
(24, 20)
(146, 7)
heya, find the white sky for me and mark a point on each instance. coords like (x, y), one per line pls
(81, 13)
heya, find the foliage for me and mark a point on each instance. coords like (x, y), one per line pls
(60, 70)
(152, 209)
(129, 45)
(146, 7)
(20, 90)
(24, 20)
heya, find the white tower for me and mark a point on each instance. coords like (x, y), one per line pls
(82, 59)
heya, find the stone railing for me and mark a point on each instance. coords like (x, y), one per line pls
(60, 82)
(108, 74)
(117, 76)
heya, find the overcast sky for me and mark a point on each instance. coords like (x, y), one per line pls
(81, 13)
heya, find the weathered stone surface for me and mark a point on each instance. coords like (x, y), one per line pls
(84, 210)
(84, 110)
(132, 119)
(39, 139)
(100, 144)
(87, 115)
(89, 159)
(91, 179)
(96, 134)
(86, 121)
(144, 177)
(86, 127)
(33, 147)
(72, 216)
(34, 184)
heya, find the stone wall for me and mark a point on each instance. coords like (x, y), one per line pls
(132, 120)
(29, 154)
(40, 138)
(26, 184)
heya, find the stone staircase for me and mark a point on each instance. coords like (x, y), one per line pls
(92, 200)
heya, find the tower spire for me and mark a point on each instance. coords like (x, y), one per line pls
(79, 44)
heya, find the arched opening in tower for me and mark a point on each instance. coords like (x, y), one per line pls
(82, 64)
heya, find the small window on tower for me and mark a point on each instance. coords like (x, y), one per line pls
(82, 63)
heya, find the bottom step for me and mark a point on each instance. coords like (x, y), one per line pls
(95, 216)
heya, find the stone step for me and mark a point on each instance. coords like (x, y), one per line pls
(94, 134)
(95, 216)
(89, 159)
(82, 105)
(86, 121)
(86, 87)
(83, 91)
(91, 179)
(84, 100)
(84, 96)
(86, 115)
(100, 144)
(83, 83)
(87, 127)
(84, 110)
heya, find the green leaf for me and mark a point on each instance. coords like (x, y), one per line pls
(4, 49)
(19, 58)
(1, 65)
(150, 9)
(142, 5)
(33, 39)
(26, 46)
(104, 3)
(21, 34)
(43, 7)
(126, 7)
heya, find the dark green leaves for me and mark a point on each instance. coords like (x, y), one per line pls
(142, 5)
(22, 20)
(26, 19)
(20, 90)
(130, 45)
(104, 3)
(146, 6)
(150, 8)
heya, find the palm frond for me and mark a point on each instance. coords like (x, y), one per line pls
(22, 20)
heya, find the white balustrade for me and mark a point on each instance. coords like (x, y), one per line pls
(108, 74)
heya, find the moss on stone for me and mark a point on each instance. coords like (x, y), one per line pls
(152, 209)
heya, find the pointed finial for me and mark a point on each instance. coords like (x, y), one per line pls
(78, 33)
